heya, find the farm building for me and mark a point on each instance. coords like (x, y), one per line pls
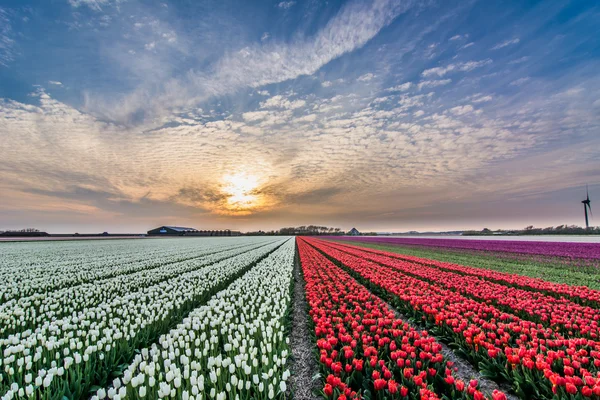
(354, 232)
(183, 231)
(171, 230)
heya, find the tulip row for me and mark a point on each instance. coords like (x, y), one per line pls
(234, 347)
(556, 249)
(579, 294)
(26, 270)
(364, 350)
(68, 355)
(17, 315)
(537, 361)
(562, 315)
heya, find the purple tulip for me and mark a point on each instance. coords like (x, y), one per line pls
(554, 249)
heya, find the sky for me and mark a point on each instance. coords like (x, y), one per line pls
(387, 115)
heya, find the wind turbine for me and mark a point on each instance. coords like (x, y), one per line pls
(586, 205)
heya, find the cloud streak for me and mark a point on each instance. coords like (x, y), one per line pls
(261, 64)
(459, 67)
(7, 43)
(506, 43)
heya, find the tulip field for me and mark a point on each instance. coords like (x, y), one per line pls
(169, 318)
(210, 318)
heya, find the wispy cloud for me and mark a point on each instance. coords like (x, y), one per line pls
(7, 43)
(520, 81)
(506, 43)
(366, 77)
(281, 102)
(462, 110)
(96, 5)
(458, 37)
(286, 4)
(464, 67)
(482, 99)
(260, 64)
(519, 60)
(400, 88)
(433, 83)
(296, 106)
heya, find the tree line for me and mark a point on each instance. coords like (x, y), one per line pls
(531, 230)
(304, 230)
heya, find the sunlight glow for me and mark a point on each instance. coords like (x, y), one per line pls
(241, 191)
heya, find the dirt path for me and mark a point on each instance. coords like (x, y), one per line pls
(304, 365)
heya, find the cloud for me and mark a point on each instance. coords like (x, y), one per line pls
(281, 102)
(95, 5)
(251, 116)
(400, 88)
(265, 36)
(316, 196)
(456, 37)
(56, 83)
(286, 4)
(307, 118)
(463, 67)
(351, 152)
(466, 46)
(482, 99)
(372, 150)
(462, 110)
(506, 43)
(258, 65)
(520, 81)
(366, 77)
(6, 41)
(433, 83)
(519, 60)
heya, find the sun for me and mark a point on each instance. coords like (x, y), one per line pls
(240, 191)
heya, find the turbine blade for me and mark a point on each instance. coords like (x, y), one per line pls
(587, 192)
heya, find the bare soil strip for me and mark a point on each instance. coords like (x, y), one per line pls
(304, 365)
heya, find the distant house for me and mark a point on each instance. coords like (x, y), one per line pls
(354, 232)
(171, 230)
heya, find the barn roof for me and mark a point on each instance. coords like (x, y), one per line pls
(179, 228)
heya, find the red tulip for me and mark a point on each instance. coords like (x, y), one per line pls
(379, 384)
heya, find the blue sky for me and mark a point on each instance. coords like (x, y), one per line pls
(389, 115)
